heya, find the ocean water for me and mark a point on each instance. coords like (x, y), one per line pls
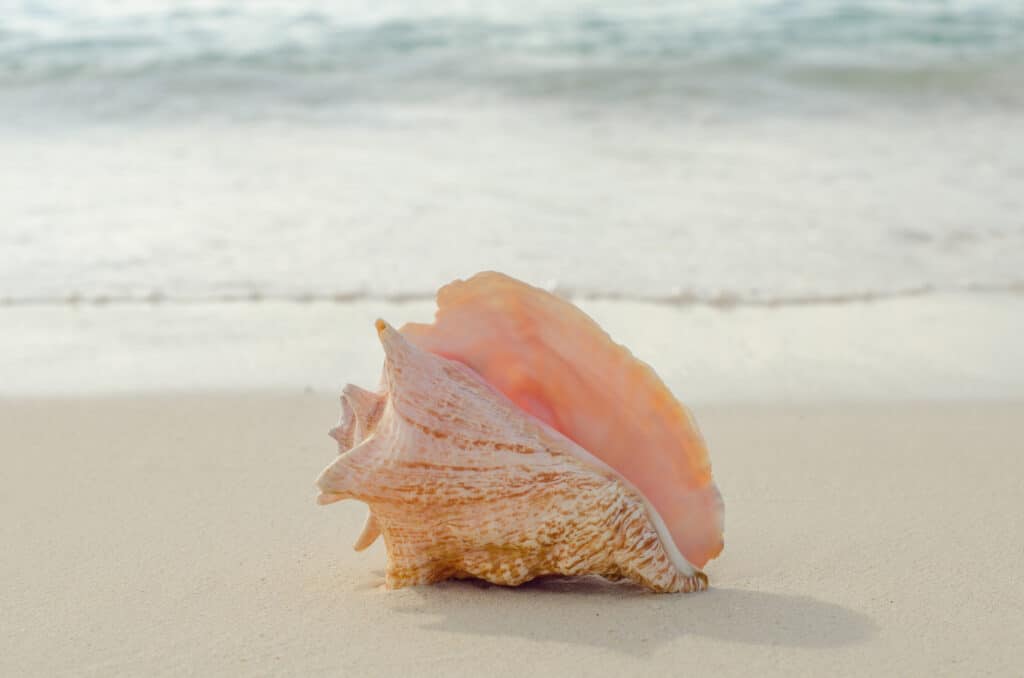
(723, 153)
(641, 49)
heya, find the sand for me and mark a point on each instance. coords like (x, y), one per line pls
(178, 535)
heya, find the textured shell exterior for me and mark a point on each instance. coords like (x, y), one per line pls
(462, 483)
(555, 362)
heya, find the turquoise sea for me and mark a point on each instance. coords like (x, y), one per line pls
(724, 153)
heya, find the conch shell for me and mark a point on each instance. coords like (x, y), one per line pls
(513, 439)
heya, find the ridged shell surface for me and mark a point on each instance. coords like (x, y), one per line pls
(462, 482)
(555, 362)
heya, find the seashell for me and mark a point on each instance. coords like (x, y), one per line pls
(556, 363)
(513, 439)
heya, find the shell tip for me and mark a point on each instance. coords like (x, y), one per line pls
(371, 530)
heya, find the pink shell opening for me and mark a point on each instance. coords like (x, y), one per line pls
(557, 364)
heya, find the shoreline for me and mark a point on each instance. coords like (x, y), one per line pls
(171, 534)
(942, 347)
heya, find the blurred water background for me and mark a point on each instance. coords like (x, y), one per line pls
(702, 152)
(178, 180)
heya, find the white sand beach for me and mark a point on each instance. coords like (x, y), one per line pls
(178, 535)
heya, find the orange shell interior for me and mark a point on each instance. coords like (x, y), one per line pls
(556, 363)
